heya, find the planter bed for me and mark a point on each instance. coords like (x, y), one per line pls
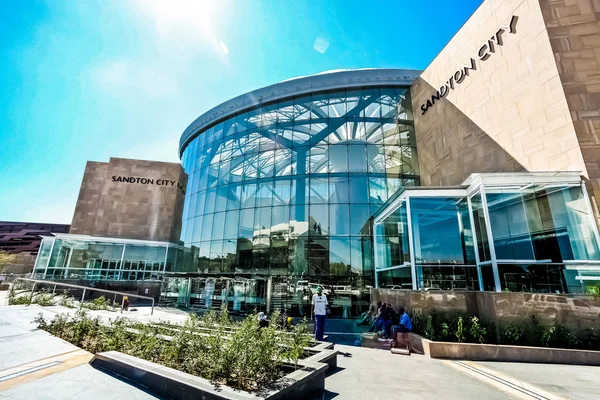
(317, 351)
(303, 383)
(507, 353)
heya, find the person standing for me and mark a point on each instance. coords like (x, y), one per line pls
(319, 308)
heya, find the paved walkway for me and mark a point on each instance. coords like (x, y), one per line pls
(36, 365)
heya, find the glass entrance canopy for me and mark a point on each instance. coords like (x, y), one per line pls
(532, 232)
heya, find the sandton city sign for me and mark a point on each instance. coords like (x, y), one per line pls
(148, 181)
(483, 54)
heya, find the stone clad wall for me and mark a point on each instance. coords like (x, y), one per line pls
(575, 312)
(130, 210)
(574, 31)
(510, 114)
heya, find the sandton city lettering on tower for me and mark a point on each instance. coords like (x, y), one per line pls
(483, 54)
(148, 181)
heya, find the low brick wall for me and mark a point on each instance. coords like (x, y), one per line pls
(574, 312)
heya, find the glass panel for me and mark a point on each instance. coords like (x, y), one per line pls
(509, 224)
(319, 191)
(338, 189)
(359, 189)
(339, 219)
(232, 224)
(439, 227)
(537, 278)
(218, 229)
(480, 228)
(357, 158)
(319, 220)
(359, 219)
(448, 277)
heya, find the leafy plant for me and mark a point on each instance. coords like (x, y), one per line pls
(445, 330)
(513, 334)
(213, 346)
(429, 330)
(99, 303)
(558, 336)
(478, 332)
(460, 335)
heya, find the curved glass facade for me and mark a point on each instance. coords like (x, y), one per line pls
(287, 190)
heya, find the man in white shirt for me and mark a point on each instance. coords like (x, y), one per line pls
(319, 303)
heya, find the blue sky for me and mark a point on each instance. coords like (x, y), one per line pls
(87, 80)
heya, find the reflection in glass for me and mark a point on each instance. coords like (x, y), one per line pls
(288, 189)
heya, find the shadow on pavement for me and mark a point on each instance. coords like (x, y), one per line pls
(326, 395)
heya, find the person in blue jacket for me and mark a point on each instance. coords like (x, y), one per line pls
(404, 327)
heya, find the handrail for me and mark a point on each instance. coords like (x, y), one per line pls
(85, 288)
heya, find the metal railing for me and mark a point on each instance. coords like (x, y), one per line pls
(85, 288)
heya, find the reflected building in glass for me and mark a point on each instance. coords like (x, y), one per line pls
(519, 232)
(283, 181)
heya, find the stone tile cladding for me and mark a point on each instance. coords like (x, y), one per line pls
(574, 30)
(130, 210)
(511, 113)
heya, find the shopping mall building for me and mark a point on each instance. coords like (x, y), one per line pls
(481, 172)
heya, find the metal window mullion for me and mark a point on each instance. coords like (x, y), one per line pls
(488, 227)
(376, 257)
(122, 262)
(413, 268)
(474, 236)
(49, 257)
(165, 264)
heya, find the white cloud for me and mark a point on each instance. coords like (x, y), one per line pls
(118, 76)
(321, 45)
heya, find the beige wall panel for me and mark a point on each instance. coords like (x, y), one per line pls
(149, 211)
(510, 114)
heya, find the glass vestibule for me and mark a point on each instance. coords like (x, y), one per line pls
(529, 232)
(544, 238)
(85, 257)
(426, 243)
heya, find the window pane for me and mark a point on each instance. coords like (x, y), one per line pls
(438, 230)
(357, 158)
(359, 189)
(512, 239)
(319, 220)
(339, 219)
(338, 189)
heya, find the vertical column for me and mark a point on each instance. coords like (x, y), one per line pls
(376, 257)
(488, 228)
(165, 264)
(122, 264)
(413, 268)
(269, 292)
(474, 234)
(49, 257)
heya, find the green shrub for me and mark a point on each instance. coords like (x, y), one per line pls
(99, 303)
(478, 332)
(513, 335)
(239, 354)
(589, 339)
(558, 336)
(429, 330)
